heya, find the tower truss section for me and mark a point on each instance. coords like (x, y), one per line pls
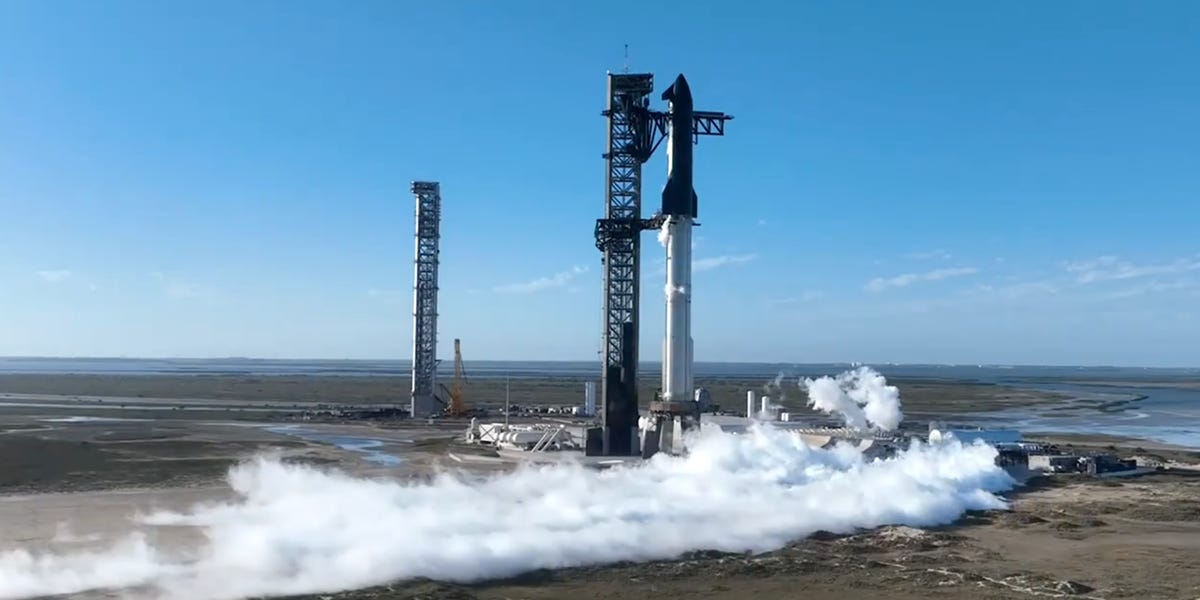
(634, 133)
(618, 237)
(428, 198)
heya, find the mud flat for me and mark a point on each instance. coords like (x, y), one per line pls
(229, 393)
(1063, 537)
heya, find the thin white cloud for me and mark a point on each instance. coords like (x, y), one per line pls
(762, 222)
(1012, 291)
(1152, 287)
(54, 275)
(704, 264)
(808, 296)
(714, 262)
(556, 280)
(1111, 268)
(179, 289)
(928, 255)
(390, 296)
(880, 284)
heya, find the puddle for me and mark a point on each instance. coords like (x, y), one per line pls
(82, 419)
(363, 445)
(88, 405)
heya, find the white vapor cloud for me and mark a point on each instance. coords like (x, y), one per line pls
(714, 262)
(879, 284)
(559, 279)
(290, 531)
(862, 398)
(1109, 268)
(55, 275)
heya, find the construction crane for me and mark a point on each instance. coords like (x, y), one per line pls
(458, 400)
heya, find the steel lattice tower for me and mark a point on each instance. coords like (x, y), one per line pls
(634, 132)
(618, 237)
(425, 289)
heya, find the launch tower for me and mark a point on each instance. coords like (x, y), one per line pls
(425, 290)
(634, 132)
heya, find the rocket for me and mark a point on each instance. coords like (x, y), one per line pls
(679, 211)
(678, 197)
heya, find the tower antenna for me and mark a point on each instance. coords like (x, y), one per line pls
(626, 58)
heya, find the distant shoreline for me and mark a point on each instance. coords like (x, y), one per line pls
(644, 363)
(997, 374)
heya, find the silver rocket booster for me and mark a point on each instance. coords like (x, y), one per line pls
(679, 209)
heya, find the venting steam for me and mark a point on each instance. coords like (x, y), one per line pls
(861, 397)
(295, 530)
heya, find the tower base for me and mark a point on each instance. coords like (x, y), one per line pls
(669, 422)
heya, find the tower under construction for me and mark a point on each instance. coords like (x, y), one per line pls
(428, 197)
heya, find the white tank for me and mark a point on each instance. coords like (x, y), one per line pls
(520, 438)
(589, 398)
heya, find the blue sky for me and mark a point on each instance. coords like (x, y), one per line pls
(909, 182)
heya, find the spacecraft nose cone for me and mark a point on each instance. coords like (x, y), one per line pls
(679, 92)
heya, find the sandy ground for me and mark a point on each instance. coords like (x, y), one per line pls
(1064, 537)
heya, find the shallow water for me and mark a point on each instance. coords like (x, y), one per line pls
(1167, 415)
(366, 446)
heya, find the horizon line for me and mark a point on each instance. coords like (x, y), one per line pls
(658, 362)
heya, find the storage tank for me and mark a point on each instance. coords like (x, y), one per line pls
(521, 437)
(589, 398)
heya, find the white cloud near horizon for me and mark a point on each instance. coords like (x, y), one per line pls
(1152, 287)
(1012, 291)
(557, 280)
(55, 275)
(387, 296)
(929, 255)
(180, 290)
(704, 264)
(714, 262)
(1112, 268)
(880, 284)
(807, 296)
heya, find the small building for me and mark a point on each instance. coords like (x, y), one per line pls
(1054, 463)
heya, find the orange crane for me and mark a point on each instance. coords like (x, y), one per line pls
(458, 401)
